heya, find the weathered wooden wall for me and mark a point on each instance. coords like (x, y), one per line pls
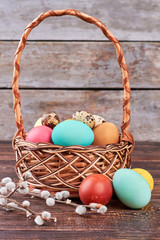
(68, 65)
(128, 20)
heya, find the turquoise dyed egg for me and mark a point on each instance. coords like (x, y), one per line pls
(72, 132)
(131, 188)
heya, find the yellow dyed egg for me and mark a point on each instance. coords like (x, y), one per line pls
(38, 122)
(146, 175)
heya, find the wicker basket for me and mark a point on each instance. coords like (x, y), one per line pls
(63, 168)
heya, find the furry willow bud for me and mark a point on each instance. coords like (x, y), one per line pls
(37, 191)
(50, 202)
(65, 194)
(102, 209)
(58, 195)
(10, 186)
(38, 220)
(27, 175)
(3, 201)
(46, 215)
(23, 191)
(6, 180)
(3, 190)
(81, 210)
(45, 194)
(23, 185)
(25, 203)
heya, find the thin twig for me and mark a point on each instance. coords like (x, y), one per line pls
(12, 192)
(19, 204)
(66, 201)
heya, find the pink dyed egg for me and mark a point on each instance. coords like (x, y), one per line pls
(39, 134)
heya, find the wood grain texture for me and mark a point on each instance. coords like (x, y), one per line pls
(127, 20)
(145, 109)
(80, 65)
(119, 222)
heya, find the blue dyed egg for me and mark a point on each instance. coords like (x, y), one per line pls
(131, 188)
(72, 132)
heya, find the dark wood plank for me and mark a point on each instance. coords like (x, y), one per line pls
(84, 235)
(80, 65)
(127, 20)
(145, 109)
(118, 223)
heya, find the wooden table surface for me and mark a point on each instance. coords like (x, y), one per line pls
(119, 222)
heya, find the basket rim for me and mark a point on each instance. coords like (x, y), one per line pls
(18, 141)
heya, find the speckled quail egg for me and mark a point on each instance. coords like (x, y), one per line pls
(98, 120)
(84, 117)
(50, 119)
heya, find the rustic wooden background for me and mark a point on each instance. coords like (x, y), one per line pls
(68, 65)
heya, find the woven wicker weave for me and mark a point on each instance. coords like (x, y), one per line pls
(63, 168)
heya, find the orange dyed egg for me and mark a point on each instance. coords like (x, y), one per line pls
(105, 133)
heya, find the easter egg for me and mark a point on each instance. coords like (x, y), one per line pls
(105, 133)
(50, 119)
(72, 132)
(96, 188)
(39, 134)
(84, 117)
(98, 120)
(131, 188)
(38, 122)
(146, 175)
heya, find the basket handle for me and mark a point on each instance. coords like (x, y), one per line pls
(126, 136)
